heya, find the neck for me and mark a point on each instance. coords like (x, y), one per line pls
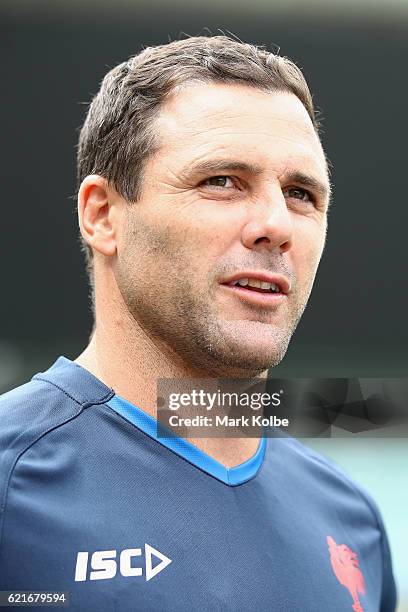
(125, 358)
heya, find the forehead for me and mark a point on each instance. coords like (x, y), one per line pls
(200, 120)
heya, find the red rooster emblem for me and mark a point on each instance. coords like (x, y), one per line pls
(347, 571)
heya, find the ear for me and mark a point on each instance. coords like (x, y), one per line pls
(98, 214)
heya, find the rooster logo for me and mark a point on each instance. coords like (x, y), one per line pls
(347, 571)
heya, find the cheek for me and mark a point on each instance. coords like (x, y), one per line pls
(141, 236)
(307, 248)
(207, 235)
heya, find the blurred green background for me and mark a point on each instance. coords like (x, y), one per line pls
(354, 55)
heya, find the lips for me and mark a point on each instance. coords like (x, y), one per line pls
(252, 297)
(256, 296)
(279, 280)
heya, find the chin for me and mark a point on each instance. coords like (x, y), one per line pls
(253, 362)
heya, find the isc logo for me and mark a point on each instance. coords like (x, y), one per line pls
(104, 564)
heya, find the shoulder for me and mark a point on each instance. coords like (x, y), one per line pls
(27, 414)
(50, 400)
(329, 471)
(31, 408)
(321, 472)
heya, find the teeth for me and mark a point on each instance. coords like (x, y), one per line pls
(252, 282)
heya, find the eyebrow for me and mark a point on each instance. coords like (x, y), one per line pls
(215, 166)
(306, 180)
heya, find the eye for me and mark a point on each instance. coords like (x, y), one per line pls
(299, 194)
(218, 181)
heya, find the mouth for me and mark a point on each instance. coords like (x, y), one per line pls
(262, 289)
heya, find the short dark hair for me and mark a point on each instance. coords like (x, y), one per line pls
(117, 136)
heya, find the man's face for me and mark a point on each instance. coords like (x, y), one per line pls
(246, 212)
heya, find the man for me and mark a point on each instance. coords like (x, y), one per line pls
(200, 167)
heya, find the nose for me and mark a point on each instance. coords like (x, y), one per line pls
(270, 223)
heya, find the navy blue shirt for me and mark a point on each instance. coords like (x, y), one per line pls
(93, 503)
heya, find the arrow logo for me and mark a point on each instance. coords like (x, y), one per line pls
(150, 570)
